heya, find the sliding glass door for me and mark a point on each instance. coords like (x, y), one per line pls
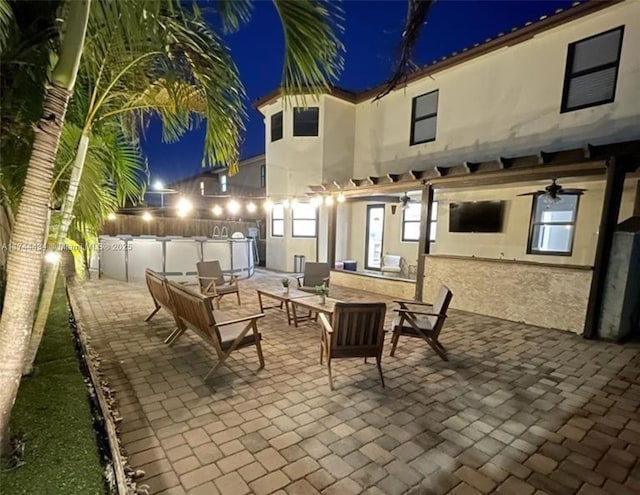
(373, 240)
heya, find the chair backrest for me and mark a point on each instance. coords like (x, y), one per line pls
(209, 270)
(194, 311)
(157, 288)
(440, 306)
(358, 329)
(392, 260)
(316, 273)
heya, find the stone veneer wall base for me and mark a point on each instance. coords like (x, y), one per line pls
(395, 288)
(536, 294)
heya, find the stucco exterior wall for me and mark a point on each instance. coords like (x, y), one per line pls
(511, 243)
(505, 101)
(338, 139)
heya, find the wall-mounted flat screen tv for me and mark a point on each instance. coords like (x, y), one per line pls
(476, 216)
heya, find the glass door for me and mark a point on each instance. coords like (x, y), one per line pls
(373, 241)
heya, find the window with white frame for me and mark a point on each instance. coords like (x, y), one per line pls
(304, 219)
(553, 225)
(592, 70)
(411, 222)
(277, 220)
(223, 183)
(424, 116)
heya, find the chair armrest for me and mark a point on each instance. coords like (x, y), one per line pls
(233, 279)
(417, 303)
(239, 320)
(207, 278)
(324, 321)
(425, 313)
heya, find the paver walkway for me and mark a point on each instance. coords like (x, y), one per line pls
(517, 410)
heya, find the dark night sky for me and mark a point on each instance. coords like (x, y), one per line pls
(372, 32)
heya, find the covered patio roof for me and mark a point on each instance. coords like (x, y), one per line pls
(585, 161)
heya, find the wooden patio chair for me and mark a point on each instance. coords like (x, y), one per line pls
(157, 285)
(225, 334)
(314, 274)
(213, 283)
(422, 324)
(356, 331)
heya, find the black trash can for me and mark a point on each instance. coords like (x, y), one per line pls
(298, 263)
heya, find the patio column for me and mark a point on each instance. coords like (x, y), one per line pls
(617, 167)
(424, 243)
(331, 235)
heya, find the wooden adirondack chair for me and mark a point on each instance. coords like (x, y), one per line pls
(213, 283)
(314, 274)
(423, 324)
(355, 331)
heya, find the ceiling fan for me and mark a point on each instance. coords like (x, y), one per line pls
(405, 201)
(553, 192)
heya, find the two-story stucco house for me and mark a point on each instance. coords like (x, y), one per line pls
(454, 172)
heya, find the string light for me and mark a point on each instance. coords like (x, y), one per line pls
(316, 200)
(217, 210)
(341, 198)
(184, 207)
(233, 207)
(158, 185)
(268, 205)
(111, 216)
(328, 201)
(147, 217)
(251, 208)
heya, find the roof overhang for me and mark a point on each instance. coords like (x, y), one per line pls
(579, 162)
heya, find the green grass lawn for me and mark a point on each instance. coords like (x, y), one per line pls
(53, 416)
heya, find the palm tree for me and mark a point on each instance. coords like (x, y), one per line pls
(24, 264)
(158, 59)
(113, 175)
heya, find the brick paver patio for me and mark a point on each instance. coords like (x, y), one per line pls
(517, 409)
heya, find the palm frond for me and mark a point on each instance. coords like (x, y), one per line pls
(180, 72)
(234, 13)
(6, 21)
(417, 12)
(313, 51)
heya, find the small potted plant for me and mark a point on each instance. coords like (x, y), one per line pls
(323, 292)
(285, 284)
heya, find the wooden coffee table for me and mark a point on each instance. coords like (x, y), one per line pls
(313, 306)
(283, 297)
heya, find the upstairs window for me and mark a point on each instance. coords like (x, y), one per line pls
(553, 225)
(592, 70)
(223, 183)
(276, 126)
(277, 220)
(424, 114)
(305, 121)
(303, 220)
(263, 176)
